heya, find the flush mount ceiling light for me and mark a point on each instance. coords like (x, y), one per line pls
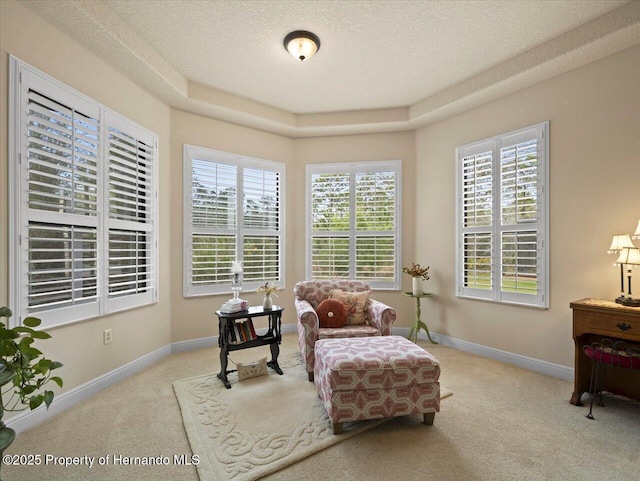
(302, 44)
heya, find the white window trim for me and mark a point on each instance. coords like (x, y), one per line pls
(541, 300)
(353, 168)
(191, 152)
(18, 207)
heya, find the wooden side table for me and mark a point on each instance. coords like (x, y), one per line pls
(272, 338)
(594, 319)
(418, 324)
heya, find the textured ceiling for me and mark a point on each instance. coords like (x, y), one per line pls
(383, 65)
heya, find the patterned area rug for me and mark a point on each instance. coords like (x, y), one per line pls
(260, 425)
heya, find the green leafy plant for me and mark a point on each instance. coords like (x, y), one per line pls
(24, 367)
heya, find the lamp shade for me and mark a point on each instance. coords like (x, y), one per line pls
(637, 233)
(236, 267)
(302, 44)
(619, 242)
(629, 255)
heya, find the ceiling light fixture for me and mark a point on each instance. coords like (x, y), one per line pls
(302, 44)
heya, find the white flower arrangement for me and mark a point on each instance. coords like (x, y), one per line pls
(268, 289)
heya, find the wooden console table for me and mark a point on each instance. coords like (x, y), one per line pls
(272, 337)
(594, 319)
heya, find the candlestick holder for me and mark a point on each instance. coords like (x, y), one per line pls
(236, 285)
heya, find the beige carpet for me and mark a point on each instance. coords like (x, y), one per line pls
(502, 424)
(258, 426)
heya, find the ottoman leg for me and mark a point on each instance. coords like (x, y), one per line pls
(337, 428)
(310, 376)
(428, 418)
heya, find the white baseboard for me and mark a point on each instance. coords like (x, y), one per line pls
(555, 370)
(210, 341)
(194, 344)
(27, 419)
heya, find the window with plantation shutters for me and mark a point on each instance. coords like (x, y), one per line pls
(131, 243)
(77, 241)
(502, 208)
(353, 222)
(232, 211)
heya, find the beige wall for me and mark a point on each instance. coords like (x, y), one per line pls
(594, 115)
(193, 317)
(136, 332)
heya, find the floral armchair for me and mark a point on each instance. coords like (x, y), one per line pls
(309, 294)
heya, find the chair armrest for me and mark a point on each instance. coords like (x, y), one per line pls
(307, 316)
(381, 316)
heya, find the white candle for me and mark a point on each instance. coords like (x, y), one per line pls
(236, 267)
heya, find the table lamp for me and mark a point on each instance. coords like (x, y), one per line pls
(236, 282)
(619, 242)
(636, 235)
(629, 256)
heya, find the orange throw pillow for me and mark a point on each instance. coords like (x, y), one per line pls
(332, 313)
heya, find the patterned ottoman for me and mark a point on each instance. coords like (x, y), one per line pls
(375, 377)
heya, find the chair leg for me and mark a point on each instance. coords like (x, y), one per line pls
(310, 376)
(337, 428)
(428, 418)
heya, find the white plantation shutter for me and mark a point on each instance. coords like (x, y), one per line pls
(131, 244)
(478, 261)
(330, 257)
(376, 258)
(59, 226)
(62, 266)
(330, 202)
(477, 219)
(261, 258)
(261, 224)
(62, 156)
(519, 182)
(61, 152)
(503, 218)
(214, 238)
(261, 198)
(330, 218)
(375, 202)
(211, 259)
(354, 222)
(519, 262)
(213, 229)
(477, 189)
(130, 176)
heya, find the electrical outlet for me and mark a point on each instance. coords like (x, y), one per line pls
(107, 336)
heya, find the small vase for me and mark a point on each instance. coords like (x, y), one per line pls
(267, 304)
(417, 286)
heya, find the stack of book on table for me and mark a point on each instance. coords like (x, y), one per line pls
(234, 305)
(241, 331)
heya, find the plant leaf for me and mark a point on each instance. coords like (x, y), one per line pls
(55, 365)
(5, 312)
(32, 322)
(48, 398)
(57, 380)
(40, 335)
(8, 334)
(35, 401)
(23, 329)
